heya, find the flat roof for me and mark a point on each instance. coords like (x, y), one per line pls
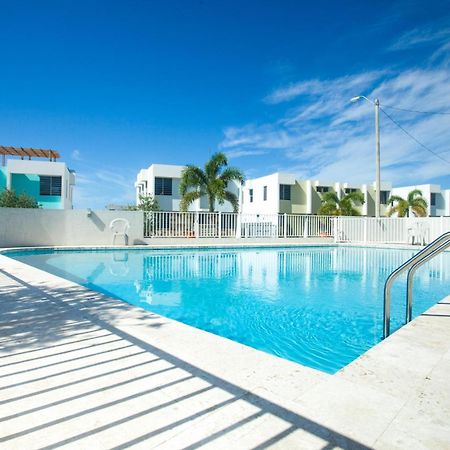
(30, 152)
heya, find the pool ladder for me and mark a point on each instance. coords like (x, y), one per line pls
(430, 251)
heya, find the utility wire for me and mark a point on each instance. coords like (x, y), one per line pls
(443, 113)
(413, 138)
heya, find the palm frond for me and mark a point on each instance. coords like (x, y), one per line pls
(355, 197)
(188, 198)
(328, 209)
(192, 177)
(413, 195)
(215, 164)
(233, 199)
(232, 174)
(330, 197)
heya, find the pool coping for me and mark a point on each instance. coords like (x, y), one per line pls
(293, 385)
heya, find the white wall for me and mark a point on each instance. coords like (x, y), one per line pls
(48, 168)
(40, 227)
(145, 185)
(436, 210)
(259, 206)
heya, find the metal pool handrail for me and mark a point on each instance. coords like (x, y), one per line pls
(431, 250)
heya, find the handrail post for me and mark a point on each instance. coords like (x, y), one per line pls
(435, 247)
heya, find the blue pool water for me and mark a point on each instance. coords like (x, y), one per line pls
(319, 306)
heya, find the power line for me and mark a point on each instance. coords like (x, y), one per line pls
(443, 113)
(413, 138)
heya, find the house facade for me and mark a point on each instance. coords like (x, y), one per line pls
(280, 193)
(162, 181)
(438, 199)
(283, 193)
(49, 182)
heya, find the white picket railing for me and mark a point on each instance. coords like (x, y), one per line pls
(406, 230)
(421, 230)
(163, 224)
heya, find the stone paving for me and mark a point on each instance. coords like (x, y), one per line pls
(80, 370)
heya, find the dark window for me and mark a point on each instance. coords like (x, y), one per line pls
(285, 191)
(163, 186)
(350, 190)
(433, 199)
(265, 193)
(250, 193)
(50, 185)
(322, 189)
(384, 196)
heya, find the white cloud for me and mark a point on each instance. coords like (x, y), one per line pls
(98, 188)
(323, 136)
(324, 88)
(76, 155)
(421, 36)
(232, 154)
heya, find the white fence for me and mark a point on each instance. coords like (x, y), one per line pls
(343, 229)
(407, 230)
(226, 225)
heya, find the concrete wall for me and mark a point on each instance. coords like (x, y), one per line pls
(40, 227)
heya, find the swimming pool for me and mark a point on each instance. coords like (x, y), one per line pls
(318, 306)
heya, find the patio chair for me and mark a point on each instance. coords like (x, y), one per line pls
(120, 227)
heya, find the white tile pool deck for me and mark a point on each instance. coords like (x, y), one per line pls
(81, 370)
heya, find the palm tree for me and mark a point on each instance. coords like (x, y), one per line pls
(333, 206)
(414, 202)
(212, 182)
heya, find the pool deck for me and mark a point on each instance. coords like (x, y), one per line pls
(81, 370)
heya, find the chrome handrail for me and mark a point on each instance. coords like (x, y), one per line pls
(438, 244)
(411, 273)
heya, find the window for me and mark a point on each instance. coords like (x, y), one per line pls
(50, 185)
(250, 193)
(285, 191)
(384, 197)
(265, 193)
(322, 189)
(350, 190)
(433, 199)
(163, 186)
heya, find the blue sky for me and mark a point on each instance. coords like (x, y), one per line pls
(118, 85)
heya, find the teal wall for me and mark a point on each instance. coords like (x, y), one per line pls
(2, 178)
(29, 184)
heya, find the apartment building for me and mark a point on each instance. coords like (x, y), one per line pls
(438, 199)
(162, 181)
(49, 182)
(282, 192)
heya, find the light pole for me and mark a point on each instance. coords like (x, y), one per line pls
(376, 103)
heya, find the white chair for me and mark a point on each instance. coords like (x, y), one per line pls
(120, 227)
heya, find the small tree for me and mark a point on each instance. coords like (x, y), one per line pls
(9, 199)
(212, 182)
(332, 206)
(414, 202)
(147, 203)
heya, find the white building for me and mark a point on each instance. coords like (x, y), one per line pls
(281, 193)
(438, 199)
(49, 182)
(162, 181)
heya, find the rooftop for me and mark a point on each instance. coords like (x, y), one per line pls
(30, 152)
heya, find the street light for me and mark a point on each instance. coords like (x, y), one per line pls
(376, 103)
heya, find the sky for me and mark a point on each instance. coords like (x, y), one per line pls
(115, 86)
